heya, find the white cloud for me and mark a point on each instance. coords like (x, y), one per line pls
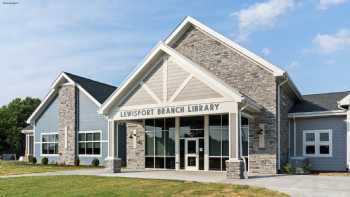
(266, 51)
(261, 15)
(325, 4)
(328, 43)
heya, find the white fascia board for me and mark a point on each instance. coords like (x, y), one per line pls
(42, 105)
(317, 114)
(345, 101)
(203, 74)
(128, 80)
(191, 67)
(275, 70)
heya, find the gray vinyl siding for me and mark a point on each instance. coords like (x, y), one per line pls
(46, 123)
(90, 120)
(338, 126)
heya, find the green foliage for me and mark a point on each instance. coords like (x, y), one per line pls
(12, 119)
(44, 161)
(33, 160)
(307, 168)
(288, 168)
(95, 162)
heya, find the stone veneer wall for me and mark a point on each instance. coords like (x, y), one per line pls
(135, 152)
(67, 118)
(287, 102)
(245, 76)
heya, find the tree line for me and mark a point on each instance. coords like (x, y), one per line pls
(13, 118)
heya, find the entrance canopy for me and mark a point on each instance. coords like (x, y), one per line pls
(167, 84)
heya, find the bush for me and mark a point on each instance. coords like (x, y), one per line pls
(33, 160)
(77, 162)
(307, 169)
(288, 168)
(95, 162)
(44, 161)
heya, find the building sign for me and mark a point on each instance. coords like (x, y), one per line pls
(170, 110)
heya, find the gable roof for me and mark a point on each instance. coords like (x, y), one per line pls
(98, 92)
(159, 50)
(319, 102)
(273, 69)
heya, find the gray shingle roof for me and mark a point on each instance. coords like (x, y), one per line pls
(319, 102)
(100, 91)
(29, 127)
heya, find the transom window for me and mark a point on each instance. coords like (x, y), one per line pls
(49, 144)
(317, 143)
(89, 142)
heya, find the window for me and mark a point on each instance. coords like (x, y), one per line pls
(218, 142)
(160, 143)
(89, 143)
(317, 143)
(49, 144)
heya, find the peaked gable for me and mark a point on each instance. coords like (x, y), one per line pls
(167, 58)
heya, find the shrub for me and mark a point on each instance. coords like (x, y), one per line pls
(307, 168)
(95, 162)
(44, 161)
(32, 160)
(288, 168)
(77, 162)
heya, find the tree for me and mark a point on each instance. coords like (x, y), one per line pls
(12, 120)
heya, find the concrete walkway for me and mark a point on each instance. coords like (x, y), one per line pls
(303, 185)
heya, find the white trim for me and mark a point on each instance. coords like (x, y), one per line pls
(165, 79)
(41, 142)
(180, 88)
(345, 100)
(53, 91)
(86, 141)
(317, 114)
(205, 76)
(150, 92)
(189, 20)
(317, 143)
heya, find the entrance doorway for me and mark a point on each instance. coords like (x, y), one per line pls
(192, 156)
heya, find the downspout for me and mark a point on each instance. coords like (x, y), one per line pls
(279, 123)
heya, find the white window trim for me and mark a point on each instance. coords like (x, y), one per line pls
(318, 143)
(101, 141)
(41, 143)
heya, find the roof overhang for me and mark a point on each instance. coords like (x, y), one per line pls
(62, 79)
(273, 69)
(317, 114)
(26, 131)
(147, 63)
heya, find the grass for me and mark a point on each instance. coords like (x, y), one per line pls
(111, 186)
(15, 167)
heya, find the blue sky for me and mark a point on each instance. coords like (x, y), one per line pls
(105, 40)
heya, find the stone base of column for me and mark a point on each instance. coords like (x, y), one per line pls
(113, 165)
(235, 169)
(28, 158)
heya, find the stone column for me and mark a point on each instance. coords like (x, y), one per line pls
(113, 164)
(135, 152)
(234, 166)
(67, 124)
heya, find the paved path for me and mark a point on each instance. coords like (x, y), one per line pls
(303, 185)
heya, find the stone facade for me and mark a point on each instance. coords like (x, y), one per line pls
(247, 77)
(235, 169)
(135, 145)
(287, 101)
(67, 124)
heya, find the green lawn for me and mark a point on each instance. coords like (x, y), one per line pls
(13, 167)
(111, 186)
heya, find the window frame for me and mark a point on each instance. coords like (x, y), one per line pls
(93, 141)
(318, 143)
(41, 144)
